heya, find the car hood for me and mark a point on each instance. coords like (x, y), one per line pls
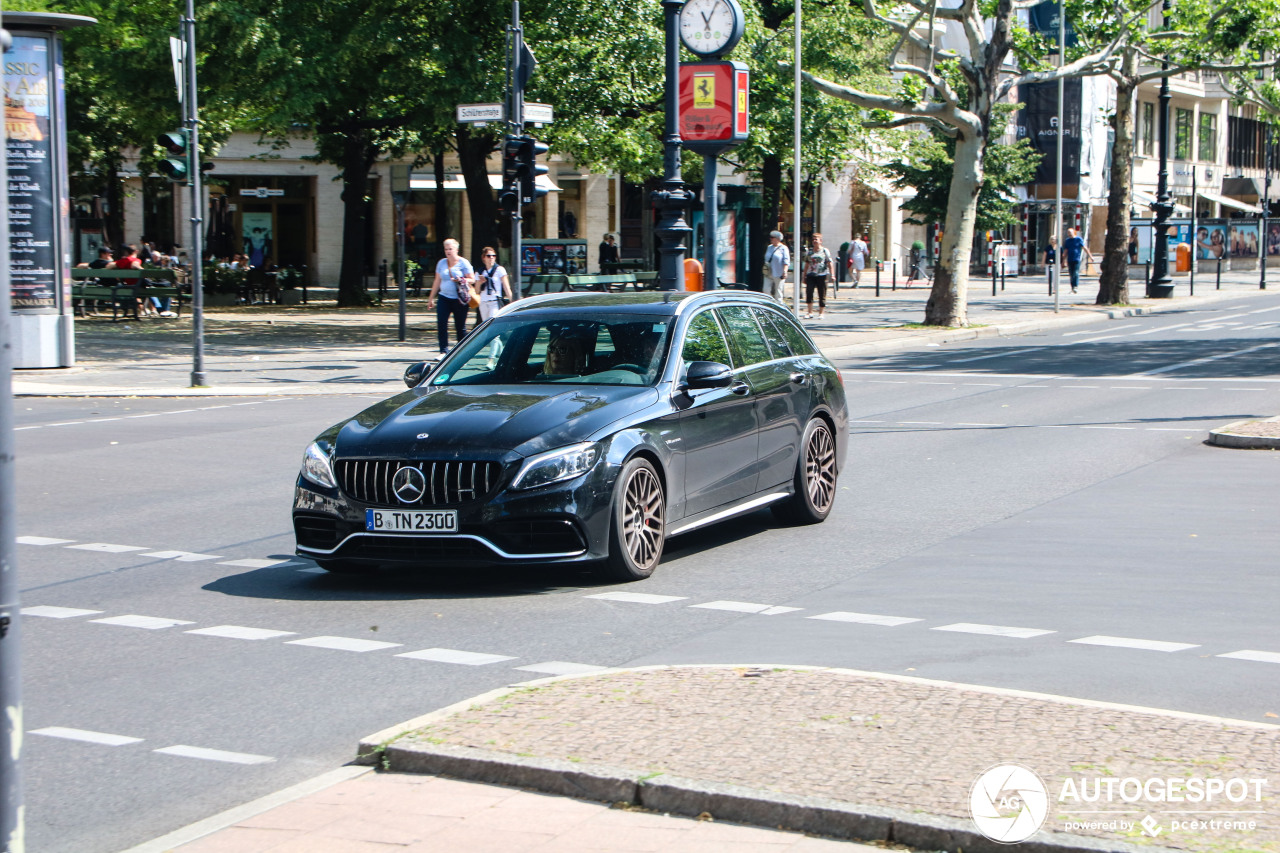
(460, 420)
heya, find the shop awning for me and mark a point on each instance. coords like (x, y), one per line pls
(1241, 187)
(1229, 202)
(455, 181)
(1146, 199)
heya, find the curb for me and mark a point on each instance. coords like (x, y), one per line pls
(1224, 437)
(678, 795)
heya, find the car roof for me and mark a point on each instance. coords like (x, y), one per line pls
(649, 302)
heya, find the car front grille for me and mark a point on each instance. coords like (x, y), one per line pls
(446, 483)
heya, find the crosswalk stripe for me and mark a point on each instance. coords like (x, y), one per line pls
(50, 612)
(184, 751)
(455, 656)
(344, 644)
(237, 632)
(637, 597)
(1130, 643)
(86, 736)
(993, 630)
(865, 618)
(150, 623)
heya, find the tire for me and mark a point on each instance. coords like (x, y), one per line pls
(815, 479)
(639, 523)
(346, 567)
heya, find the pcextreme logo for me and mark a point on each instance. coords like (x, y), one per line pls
(1008, 803)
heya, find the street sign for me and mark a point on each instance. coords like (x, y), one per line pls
(713, 105)
(538, 113)
(481, 112)
(533, 113)
(178, 50)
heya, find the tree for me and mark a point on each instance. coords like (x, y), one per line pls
(956, 94)
(1231, 39)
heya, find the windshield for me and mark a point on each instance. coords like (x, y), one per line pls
(571, 349)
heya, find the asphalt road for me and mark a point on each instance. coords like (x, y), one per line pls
(1037, 512)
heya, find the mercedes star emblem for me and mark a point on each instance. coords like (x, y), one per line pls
(409, 485)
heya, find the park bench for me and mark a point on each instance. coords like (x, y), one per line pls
(94, 287)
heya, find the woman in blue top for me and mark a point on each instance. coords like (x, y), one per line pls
(454, 279)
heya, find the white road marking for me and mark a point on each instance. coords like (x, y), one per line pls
(180, 556)
(637, 597)
(560, 667)
(151, 623)
(66, 423)
(1204, 360)
(1130, 643)
(237, 632)
(775, 611)
(1091, 340)
(866, 422)
(1132, 388)
(1166, 328)
(455, 656)
(741, 607)
(982, 425)
(41, 540)
(183, 751)
(925, 423)
(85, 735)
(994, 630)
(865, 618)
(1096, 426)
(996, 355)
(259, 564)
(1092, 331)
(1251, 654)
(983, 385)
(51, 612)
(103, 420)
(1094, 387)
(344, 644)
(107, 548)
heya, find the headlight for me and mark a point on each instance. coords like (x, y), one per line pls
(317, 467)
(563, 464)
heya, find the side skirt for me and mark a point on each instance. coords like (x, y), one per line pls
(720, 514)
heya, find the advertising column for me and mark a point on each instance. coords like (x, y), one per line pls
(36, 156)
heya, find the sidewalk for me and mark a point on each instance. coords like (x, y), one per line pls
(832, 753)
(318, 349)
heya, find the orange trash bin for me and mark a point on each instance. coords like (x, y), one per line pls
(692, 274)
(1184, 258)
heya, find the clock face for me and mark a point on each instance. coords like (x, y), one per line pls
(710, 27)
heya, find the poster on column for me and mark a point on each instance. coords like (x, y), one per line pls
(256, 229)
(726, 242)
(1242, 239)
(29, 154)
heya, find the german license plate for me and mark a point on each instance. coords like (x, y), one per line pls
(411, 521)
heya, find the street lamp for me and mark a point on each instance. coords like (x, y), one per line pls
(672, 199)
(1161, 285)
(400, 196)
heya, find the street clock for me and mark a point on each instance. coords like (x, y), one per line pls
(711, 28)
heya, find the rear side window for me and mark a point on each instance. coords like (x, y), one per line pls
(796, 339)
(745, 339)
(703, 340)
(777, 341)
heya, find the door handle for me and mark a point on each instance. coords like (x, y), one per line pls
(800, 378)
(740, 388)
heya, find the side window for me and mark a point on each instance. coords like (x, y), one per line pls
(745, 339)
(777, 341)
(703, 341)
(793, 334)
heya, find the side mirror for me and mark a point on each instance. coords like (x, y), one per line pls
(413, 374)
(708, 374)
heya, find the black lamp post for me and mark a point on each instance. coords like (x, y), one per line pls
(1266, 211)
(1161, 285)
(401, 177)
(672, 199)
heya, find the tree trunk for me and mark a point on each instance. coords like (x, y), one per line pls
(948, 302)
(358, 154)
(474, 149)
(771, 181)
(442, 209)
(1113, 286)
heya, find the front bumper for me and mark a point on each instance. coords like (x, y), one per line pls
(563, 522)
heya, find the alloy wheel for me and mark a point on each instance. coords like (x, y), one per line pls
(643, 518)
(820, 468)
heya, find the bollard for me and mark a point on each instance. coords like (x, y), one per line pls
(1002, 275)
(1147, 277)
(894, 280)
(1218, 286)
(879, 264)
(995, 276)
(382, 279)
(1049, 269)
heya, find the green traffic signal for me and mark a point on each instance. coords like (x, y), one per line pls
(177, 166)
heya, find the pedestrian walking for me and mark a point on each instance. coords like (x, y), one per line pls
(454, 277)
(1051, 259)
(777, 260)
(818, 268)
(859, 253)
(493, 284)
(1074, 248)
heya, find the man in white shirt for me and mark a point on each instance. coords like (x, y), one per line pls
(777, 260)
(858, 254)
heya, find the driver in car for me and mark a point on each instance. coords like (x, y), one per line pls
(566, 356)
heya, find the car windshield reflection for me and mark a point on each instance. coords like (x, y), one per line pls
(603, 349)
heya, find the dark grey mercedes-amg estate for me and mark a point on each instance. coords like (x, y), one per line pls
(582, 427)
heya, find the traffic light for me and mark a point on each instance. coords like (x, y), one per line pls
(509, 195)
(530, 148)
(177, 166)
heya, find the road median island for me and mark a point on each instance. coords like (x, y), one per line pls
(1248, 435)
(859, 755)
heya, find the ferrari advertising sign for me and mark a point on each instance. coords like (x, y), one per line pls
(713, 105)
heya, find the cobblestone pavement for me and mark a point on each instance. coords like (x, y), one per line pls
(877, 741)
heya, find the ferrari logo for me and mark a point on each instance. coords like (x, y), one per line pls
(704, 91)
